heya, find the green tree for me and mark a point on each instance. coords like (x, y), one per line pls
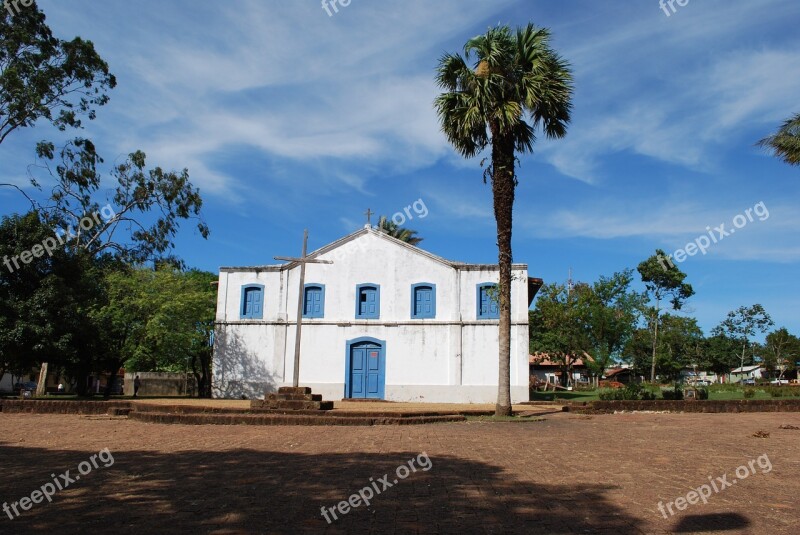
(785, 143)
(45, 301)
(557, 328)
(742, 325)
(781, 351)
(43, 77)
(158, 320)
(680, 345)
(517, 84)
(610, 312)
(663, 281)
(720, 353)
(395, 231)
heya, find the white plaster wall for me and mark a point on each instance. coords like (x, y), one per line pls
(426, 360)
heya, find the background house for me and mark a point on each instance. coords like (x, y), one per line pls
(562, 371)
(755, 371)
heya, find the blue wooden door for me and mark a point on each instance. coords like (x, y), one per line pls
(366, 371)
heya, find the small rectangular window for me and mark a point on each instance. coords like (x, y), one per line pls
(423, 301)
(487, 301)
(252, 302)
(314, 301)
(368, 301)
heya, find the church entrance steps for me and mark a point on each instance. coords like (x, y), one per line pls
(261, 413)
(292, 398)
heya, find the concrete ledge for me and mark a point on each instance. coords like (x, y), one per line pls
(41, 406)
(286, 419)
(713, 406)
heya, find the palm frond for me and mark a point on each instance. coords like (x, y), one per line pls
(785, 143)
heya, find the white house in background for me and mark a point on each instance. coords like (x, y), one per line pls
(385, 320)
(747, 372)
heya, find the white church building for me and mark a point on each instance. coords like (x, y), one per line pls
(384, 320)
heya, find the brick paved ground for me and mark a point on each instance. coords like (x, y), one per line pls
(567, 474)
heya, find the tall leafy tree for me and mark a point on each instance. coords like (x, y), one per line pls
(396, 231)
(515, 84)
(680, 345)
(44, 77)
(781, 351)
(45, 302)
(158, 320)
(785, 143)
(663, 281)
(720, 353)
(610, 311)
(557, 326)
(742, 325)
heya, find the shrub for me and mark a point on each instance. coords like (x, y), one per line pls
(633, 391)
(702, 393)
(749, 393)
(672, 394)
(775, 391)
(609, 394)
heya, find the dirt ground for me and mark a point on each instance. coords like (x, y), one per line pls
(566, 474)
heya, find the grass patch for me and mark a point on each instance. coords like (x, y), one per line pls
(574, 395)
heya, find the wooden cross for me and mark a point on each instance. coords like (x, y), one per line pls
(369, 213)
(303, 260)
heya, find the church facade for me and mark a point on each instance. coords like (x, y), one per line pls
(383, 320)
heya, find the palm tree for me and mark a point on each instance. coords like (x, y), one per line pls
(785, 144)
(517, 84)
(403, 234)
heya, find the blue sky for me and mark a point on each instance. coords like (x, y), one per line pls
(288, 118)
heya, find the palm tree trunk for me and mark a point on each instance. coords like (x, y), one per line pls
(655, 341)
(503, 184)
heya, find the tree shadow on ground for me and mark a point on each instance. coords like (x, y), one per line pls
(246, 491)
(712, 522)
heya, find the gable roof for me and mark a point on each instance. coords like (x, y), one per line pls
(368, 229)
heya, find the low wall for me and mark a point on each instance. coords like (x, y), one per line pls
(742, 405)
(37, 406)
(161, 384)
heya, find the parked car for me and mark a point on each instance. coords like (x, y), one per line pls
(779, 382)
(749, 381)
(702, 382)
(27, 385)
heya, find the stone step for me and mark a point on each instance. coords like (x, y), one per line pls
(288, 419)
(294, 390)
(295, 397)
(297, 404)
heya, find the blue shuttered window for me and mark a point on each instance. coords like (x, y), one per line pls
(314, 301)
(423, 300)
(252, 302)
(368, 301)
(487, 301)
